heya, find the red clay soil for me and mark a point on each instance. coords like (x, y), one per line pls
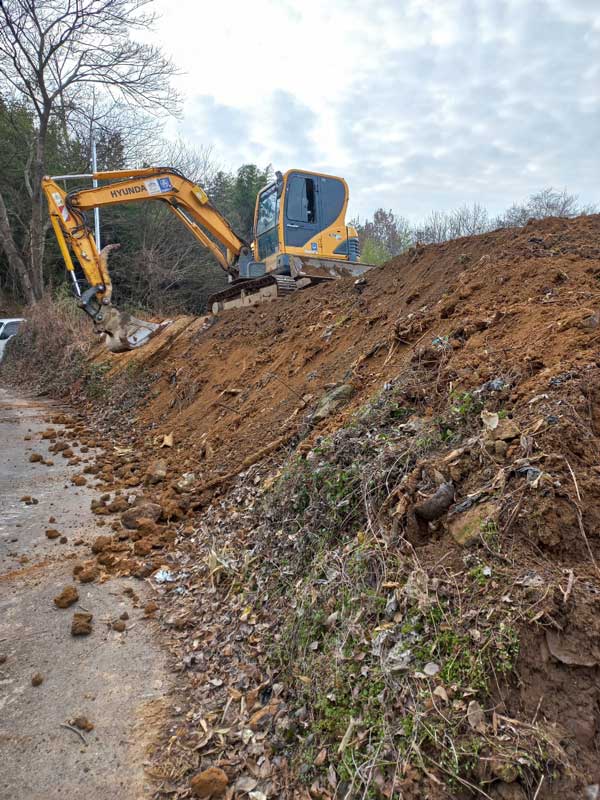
(519, 307)
(519, 301)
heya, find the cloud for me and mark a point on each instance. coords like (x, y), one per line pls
(419, 105)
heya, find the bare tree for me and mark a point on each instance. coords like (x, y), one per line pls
(51, 53)
(548, 202)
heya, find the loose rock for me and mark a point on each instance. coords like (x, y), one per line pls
(209, 783)
(82, 624)
(67, 597)
(132, 518)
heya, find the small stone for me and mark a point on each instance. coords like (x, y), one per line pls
(124, 615)
(37, 679)
(506, 430)
(101, 543)
(3, 658)
(118, 505)
(79, 480)
(504, 770)
(209, 783)
(150, 608)
(52, 533)
(142, 547)
(186, 483)
(119, 626)
(501, 448)
(133, 516)
(82, 723)
(51, 520)
(67, 597)
(332, 401)
(34, 457)
(82, 624)
(157, 471)
(467, 527)
(87, 574)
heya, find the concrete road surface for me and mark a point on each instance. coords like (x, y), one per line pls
(119, 681)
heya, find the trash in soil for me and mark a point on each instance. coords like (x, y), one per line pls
(164, 576)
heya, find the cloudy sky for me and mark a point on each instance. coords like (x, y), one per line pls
(419, 104)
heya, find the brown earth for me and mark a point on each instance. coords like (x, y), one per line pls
(487, 348)
(518, 300)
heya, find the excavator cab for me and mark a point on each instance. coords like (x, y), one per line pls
(303, 213)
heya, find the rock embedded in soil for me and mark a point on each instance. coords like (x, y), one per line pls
(142, 547)
(82, 623)
(133, 517)
(157, 471)
(467, 527)
(118, 505)
(67, 597)
(37, 679)
(209, 783)
(332, 401)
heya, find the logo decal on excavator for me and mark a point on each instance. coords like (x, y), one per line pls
(61, 206)
(158, 185)
(129, 190)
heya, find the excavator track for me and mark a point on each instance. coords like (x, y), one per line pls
(251, 292)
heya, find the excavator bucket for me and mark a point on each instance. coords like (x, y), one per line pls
(124, 332)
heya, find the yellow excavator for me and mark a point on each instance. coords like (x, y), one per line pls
(300, 238)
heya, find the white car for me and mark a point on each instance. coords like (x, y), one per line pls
(8, 328)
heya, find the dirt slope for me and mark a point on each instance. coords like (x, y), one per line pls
(379, 513)
(514, 300)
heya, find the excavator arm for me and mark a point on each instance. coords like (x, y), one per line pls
(185, 199)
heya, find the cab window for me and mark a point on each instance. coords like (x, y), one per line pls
(268, 209)
(301, 199)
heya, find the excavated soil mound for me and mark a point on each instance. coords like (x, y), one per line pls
(520, 300)
(400, 591)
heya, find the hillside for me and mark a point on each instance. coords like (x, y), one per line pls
(378, 511)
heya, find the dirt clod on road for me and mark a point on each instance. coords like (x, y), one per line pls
(67, 597)
(81, 624)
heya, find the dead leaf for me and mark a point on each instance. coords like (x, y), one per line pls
(440, 692)
(476, 717)
(167, 440)
(490, 420)
(321, 757)
(245, 784)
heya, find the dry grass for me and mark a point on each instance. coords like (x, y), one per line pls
(49, 353)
